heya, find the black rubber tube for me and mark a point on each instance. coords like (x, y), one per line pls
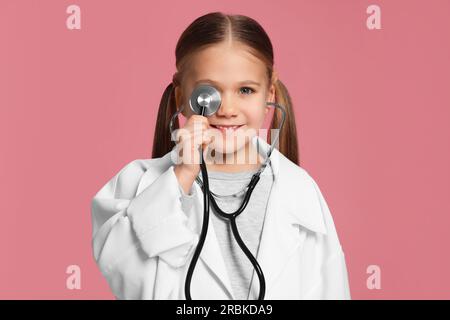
(232, 217)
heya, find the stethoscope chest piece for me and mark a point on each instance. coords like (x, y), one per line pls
(206, 97)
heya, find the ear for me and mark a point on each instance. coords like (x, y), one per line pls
(179, 99)
(272, 90)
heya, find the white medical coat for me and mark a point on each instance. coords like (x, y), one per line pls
(143, 238)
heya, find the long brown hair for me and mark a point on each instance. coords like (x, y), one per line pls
(213, 28)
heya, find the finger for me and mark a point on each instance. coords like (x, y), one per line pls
(193, 142)
(199, 121)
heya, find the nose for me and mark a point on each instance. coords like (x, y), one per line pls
(227, 108)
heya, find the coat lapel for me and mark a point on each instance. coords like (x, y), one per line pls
(211, 252)
(292, 203)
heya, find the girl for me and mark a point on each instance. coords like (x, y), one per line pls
(147, 218)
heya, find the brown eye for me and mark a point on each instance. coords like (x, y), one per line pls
(249, 90)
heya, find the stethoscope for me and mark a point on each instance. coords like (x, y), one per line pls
(205, 100)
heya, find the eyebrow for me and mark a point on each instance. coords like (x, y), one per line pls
(217, 83)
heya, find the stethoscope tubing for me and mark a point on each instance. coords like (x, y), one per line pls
(232, 217)
(207, 197)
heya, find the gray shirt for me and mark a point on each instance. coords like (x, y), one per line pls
(249, 223)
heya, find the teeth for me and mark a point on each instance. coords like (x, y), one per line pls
(228, 128)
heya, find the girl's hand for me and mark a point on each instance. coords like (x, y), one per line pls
(193, 135)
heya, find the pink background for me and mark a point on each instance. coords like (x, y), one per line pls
(372, 107)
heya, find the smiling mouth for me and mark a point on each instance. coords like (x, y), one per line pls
(225, 128)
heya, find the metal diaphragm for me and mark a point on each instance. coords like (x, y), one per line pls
(205, 96)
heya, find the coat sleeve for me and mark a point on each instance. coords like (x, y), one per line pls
(130, 230)
(332, 282)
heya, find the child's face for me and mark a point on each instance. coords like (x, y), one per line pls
(242, 103)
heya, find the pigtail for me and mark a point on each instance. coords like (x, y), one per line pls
(162, 142)
(287, 143)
